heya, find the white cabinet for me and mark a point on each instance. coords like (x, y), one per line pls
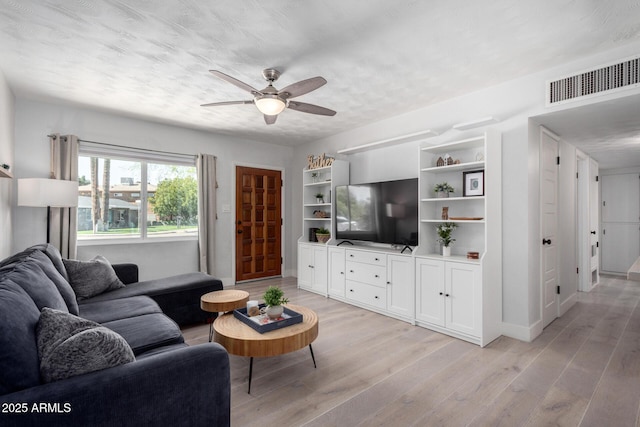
(312, 267)
(336, 272)
(400, 288)
(449, 297)
(381, 281)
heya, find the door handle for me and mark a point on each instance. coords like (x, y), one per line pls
(239, 231)
(546, 241)
(593, 232)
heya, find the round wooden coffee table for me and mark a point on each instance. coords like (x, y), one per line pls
(223, 301)
(241, 340)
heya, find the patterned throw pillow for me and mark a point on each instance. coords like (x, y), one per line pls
(91, 278)
(69, 345)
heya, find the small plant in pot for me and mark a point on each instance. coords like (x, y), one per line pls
(323, 235)
(445, 231)
(274, 298)
(443, 189)
(319, 198)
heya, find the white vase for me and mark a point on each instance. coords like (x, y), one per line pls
(443, 194)
(446, 251)
(274, 311)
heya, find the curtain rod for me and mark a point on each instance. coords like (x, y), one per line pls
(134, 148)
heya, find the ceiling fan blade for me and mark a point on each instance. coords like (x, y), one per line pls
(270, 119)
(235, 82)
(310, 108)
(302, 87)
(215, 104)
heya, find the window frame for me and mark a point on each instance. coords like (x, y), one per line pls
(144, 157)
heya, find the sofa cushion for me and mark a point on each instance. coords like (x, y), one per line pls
(19, 365)
(63, 286)
(91, 278)
(28, 274)
(146, 332)
(106, 311)
(69, 345)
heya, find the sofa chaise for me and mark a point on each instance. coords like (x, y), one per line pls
(114, 358)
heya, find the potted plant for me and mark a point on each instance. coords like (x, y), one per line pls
(319, 198)
(443, 189)
(323, 235)
(444, 233)
(274, 298)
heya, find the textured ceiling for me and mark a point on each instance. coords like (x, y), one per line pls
(150, 58)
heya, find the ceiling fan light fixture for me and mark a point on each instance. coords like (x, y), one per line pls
(270, 105)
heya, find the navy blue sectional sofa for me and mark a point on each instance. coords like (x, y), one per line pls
(168, 383)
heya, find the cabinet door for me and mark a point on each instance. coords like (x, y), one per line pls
(463, 298)
(336, 272)
(430, 291)
(319, 281)
(305, 266)
(400, 285)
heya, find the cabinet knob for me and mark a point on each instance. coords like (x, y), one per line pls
(446, 295)
(441, 293)
(342, 272)
(350, 271)
(351, 255)
(311, 266)
(376, 297)
(377, 259)
(376, 276)
(388, 283)
(350, 290)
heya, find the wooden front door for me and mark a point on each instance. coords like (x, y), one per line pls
(258, 223)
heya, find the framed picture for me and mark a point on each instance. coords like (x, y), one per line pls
(473, 183)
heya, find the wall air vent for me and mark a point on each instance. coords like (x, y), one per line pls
(615, 77)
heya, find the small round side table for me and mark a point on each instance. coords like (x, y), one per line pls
(222, 302)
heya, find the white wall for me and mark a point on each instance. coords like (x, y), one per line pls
(34, 120)
(513, 102)
(7, 101)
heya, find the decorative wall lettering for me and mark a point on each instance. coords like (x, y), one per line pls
(320, 161)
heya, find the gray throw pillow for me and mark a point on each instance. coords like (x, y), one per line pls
(69, 345)
(91, 278)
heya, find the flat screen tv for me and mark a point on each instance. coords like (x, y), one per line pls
(382, 212)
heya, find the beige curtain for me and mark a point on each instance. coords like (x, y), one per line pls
(63, 221)
(207, 214)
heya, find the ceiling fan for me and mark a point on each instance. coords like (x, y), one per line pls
(271, 101)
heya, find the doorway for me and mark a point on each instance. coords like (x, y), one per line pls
(258, 223)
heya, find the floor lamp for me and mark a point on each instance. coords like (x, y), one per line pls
(49, 193)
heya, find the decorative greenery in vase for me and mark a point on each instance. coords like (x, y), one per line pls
(323, 235)
(445, 231)
(274, 298)
(443, 189)
(320, 198)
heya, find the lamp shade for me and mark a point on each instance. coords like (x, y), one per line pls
(45, 192)
(270, 105)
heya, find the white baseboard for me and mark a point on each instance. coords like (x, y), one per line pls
(522, 333)
(568, 303)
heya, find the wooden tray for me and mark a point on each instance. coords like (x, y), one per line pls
(290, 317)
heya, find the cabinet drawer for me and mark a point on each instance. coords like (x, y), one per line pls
(367, 273)
(368, 257)
(366, 294)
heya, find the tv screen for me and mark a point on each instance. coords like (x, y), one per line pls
(382, 212)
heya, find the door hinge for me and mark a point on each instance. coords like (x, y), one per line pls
(577, 270)
(604, 231)
(597, 244)
(577, 175)
(280, 260)
(281, 183)
(558, 160)
(281, 223)
(597, 179)
(558, 289)
(604, 203)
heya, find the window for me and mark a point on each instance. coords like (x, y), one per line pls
(126, 193)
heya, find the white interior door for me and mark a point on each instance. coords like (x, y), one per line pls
(583, 230)
(594, 221)
(549, 226)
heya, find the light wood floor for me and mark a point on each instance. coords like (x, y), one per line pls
(372, 370)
